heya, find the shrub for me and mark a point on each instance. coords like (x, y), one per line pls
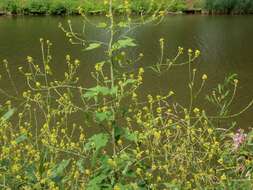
(230, 6)
(37, 7)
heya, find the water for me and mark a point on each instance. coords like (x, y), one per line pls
(226, 43)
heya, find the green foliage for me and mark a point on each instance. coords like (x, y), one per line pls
(230, 6)
(92, 46)
(63, 7)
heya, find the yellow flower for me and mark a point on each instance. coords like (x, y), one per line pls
(204, 77)
(37, 84)
(99, 66)
(161, 13)
(111, 162)
(161, 40)
(119, 142)
(220, 161)
(223, 177)
(180, 50)
(141, 54)
(150, 99)
(87, 172)
(141, 70)
(29, 59)
(189, 51)
(196, 110)
(171, 93)
(116, 187)
(159, 110)
(138, 171)
(210, 131)
(15, 168)
(154, 167)
(197, 53)
(134, 95)
(236, 81)
(157, 135)
(82, 137)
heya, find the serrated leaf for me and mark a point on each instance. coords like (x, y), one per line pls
(127, 42)
(92, 46)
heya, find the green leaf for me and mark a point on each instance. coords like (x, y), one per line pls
(130, 136)
(30, 172)
(119, 131)
(95, 91)
(95, 183)
(9, 114)
(102, 25)
(97, 141)
(127, 42)
(58, 170)
(103, 116)
(122, 24)
(21, 138)
(79, 164)
(129, 81)
(92, 46)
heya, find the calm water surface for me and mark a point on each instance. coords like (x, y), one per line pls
(226, 43)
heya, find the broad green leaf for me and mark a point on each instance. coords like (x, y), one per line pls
(103, 116)
(95, 91)
(92, 46)
(130, 136)
(97, 141)
(90, 94)
(127, 42)
(9, 114)
(102, 25)
(58, 170)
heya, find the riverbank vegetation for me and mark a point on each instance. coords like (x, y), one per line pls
(58, 134)
(66, 7)
(70, 7)
(229, 6)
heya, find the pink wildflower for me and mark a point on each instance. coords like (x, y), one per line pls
(239, 138)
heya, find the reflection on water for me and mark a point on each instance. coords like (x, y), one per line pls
(226, 44)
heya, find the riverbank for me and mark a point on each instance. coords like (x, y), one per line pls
(72, 7)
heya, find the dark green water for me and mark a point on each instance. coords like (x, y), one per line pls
(226, 43)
